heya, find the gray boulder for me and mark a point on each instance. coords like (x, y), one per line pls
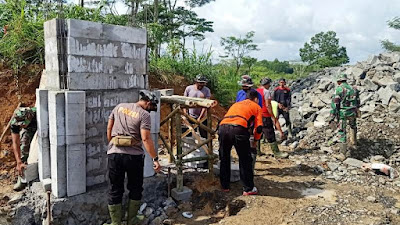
(370, 86)
(385, 81)
(396, 77)
(385, 94)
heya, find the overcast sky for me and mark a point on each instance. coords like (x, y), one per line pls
(283, 26)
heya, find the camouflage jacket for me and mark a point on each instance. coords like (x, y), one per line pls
(24, 117)
(345, 101)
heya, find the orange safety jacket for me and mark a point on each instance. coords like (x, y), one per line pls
(245, 113)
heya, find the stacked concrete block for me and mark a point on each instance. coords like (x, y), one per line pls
(43, 134)
(75, 104)
(57, 143)
(108, 63)
(188, 144)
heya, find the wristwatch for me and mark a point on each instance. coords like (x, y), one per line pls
(155, 159)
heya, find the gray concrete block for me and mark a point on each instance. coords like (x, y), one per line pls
(113, 98)
(75, 97)
(31, 172)
(141, 80)
(75, 117)
(183, 195)
(166, 92)
(93, 149)
(51, 49)
(84, 29)
(76, 169)
(52, 80)
(58, 170)
(235, 172)
(93, 99)
(353, 162)
(155, 116)
(57, 118)
(44, 158)
(105, 48)
(46, 184)
(42, 112)
(93, 164)
(93, 180)
(102, 81)
(124, 34)
(146, 80)
(56, 115)
(148, 169)
(50, 28)
(90, 64)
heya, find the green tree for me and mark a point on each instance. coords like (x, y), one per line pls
(388, 45)
(170, 22)
(324, 50)
(238, 47)
(197, 3)
(190, 25)
(249, 62)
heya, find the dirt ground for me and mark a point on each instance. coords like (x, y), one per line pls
(289, 194)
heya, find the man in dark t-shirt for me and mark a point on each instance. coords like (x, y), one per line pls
(128, 128)
(283, 96)
(23, 127)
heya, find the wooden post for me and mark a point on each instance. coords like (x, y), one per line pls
(210, 144)
(171, 135)
(178, 125)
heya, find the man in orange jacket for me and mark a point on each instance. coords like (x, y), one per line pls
(234, 131)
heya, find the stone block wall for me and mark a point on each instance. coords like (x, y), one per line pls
(108, 64)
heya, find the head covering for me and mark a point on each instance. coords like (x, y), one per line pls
(246, 81)
(201, 79)
(151, 97)
(265, 81)
(23, 116)
(341, 77)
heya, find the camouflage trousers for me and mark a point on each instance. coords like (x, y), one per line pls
(26, 136)
(343, 125)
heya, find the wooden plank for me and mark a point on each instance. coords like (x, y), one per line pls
(194, 127)
(195, 135)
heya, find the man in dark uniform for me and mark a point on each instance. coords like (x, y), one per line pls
(23, 127)
(234, 131)
(128, 127)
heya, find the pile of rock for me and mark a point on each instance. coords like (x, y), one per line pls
(378, 82)
(29, 207)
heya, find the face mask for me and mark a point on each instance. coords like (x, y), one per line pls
(152, 107)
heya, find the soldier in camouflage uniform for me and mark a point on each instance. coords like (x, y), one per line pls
(345, 104)
(23, 127)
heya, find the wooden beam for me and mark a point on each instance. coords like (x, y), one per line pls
(198, 123)
(169, 116)
(195, 135)
(194, 127)
(167, 147)
(196, 147)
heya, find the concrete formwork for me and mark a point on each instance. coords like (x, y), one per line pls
(108, 64)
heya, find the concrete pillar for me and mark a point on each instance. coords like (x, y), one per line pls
(75, 130)
(155, 129)
(43, 134)
(57, 143)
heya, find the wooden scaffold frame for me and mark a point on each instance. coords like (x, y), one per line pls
(175, 119)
